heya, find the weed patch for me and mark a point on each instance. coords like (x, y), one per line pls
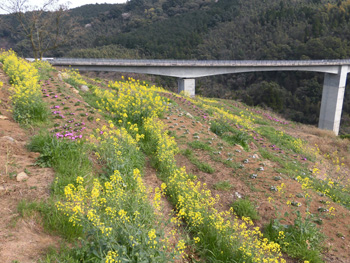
(204, 167)
(245, 208)
(223, 186)
(68, 158)
(301, 240)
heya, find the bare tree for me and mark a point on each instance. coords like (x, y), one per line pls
(47, 27)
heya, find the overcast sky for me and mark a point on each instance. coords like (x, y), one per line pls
(73, 3)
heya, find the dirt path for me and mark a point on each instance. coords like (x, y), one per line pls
(21, 240)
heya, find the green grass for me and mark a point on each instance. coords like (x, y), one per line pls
(283, 140)
(68, 158)
(302, 240)
(53, 221)
(35, 112)
(229, 134)
(223, 186)
(63, 254)
(204, 167)
(244, 207)
(200, 145)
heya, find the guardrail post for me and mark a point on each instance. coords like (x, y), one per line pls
(188, 86)
(332, 100)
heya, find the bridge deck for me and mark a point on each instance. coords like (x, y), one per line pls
(197, 63)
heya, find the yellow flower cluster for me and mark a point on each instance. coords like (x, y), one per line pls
(112, 257)
(130, 101)
(106, 208)
(166, 148)
(26, 93)
(74, 78)
(306, 183)
(221, 113)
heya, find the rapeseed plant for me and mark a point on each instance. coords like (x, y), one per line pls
(26, 92)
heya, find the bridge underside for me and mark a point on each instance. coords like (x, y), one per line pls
(333, 87)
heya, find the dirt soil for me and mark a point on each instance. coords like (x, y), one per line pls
(21, 240)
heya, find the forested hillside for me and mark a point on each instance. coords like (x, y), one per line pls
(220, 29)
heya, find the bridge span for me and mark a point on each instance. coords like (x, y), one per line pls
(188, 70)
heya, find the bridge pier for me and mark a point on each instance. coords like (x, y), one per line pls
(332, 100)
(187, 85)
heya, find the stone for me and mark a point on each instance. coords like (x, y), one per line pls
(189, 115)
(238, 195)
(84, 88)
(8, 138)
(255, 156)
(239, 147)
(75, 91)
(21, 177)
(2, 117)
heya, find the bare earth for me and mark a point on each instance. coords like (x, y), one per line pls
(20, 240)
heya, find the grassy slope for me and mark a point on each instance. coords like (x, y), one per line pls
(242, 151)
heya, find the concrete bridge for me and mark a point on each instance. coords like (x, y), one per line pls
(188, 70)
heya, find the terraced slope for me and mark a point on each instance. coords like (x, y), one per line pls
(145, 174)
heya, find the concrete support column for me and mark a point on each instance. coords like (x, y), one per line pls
(187, 85)
(332, 100)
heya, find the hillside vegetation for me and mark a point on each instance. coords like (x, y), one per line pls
(224, 30)
(143, 174)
